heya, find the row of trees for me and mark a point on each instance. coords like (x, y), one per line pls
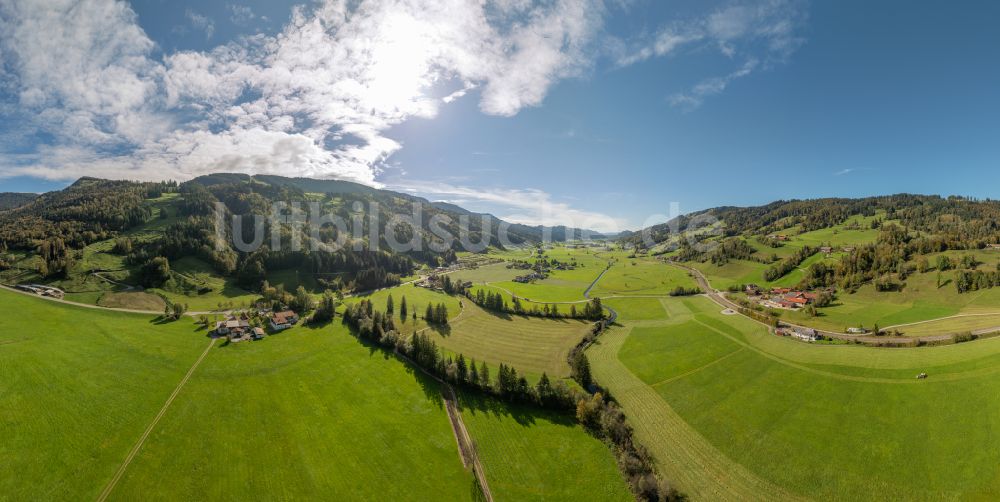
(599, 415)
(783, 267)
(436, 314)
(496, 302)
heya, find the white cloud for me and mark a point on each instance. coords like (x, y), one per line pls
(758, 33)
(201, 22)
(240, 14)
(81, 69)
(709, 87)
(526, 206)
(315, 99)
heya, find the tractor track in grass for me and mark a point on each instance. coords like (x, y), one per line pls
(466, 448)
(142, 439)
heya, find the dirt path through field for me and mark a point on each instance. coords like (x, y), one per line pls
(466, 448)
(142, 439)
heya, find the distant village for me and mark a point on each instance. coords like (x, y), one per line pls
(540, 270)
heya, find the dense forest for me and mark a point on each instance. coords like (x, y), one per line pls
(11, 200)
(363, 253)
(909, 226)
(959, 222)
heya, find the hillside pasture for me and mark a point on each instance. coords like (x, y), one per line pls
(306, 412)
(530, 344)
(79, 387)
(641, 276)
(731, 411)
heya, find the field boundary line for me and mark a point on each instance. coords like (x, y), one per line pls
(956, 316)
(142, 439)
(691, 372)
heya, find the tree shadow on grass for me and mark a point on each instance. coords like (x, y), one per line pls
(441, 329)
(158, 320)
(475, 402)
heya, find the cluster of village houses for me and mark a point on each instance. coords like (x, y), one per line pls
(781, 298)
(539, 271)
(236, 327)
(435, 282)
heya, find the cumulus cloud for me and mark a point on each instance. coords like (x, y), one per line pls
(314, 99)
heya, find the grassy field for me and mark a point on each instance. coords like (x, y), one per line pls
(135, 300)
(969, 322)
(637, 309)
(497, 272)
(641, 276)
(222, 292)
(79, 387)
(302, 413)
(732, 412)
(530, 344)
(305, 412)
(532, 455)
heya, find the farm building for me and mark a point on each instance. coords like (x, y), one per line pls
(805, 334)
(283, 320)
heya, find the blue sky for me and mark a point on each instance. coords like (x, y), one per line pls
(591, 113)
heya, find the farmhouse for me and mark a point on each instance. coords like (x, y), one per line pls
(805, 334)
(283, 320)
(825, 249)
(788, 298)
(752, 290)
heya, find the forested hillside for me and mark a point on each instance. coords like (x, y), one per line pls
(11, 200)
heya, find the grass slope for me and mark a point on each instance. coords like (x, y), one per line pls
(536, 455)
(302, 413)
(79, 386)
(530, 344)
(732, 412)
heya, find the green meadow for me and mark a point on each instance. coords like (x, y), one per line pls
(641, 276)
(532, 455)
(305, 412)
(732, 412)
(532, 345)
(79, 387)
